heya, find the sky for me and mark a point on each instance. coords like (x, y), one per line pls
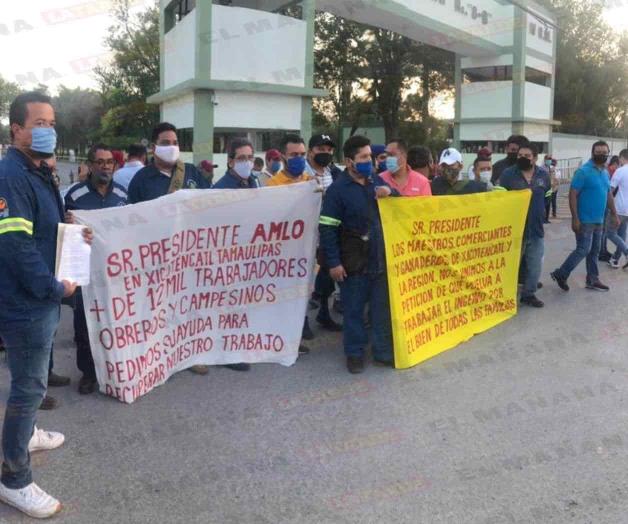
(55, 42)
(59, 42)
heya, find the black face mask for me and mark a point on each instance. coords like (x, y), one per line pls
(512, 158)
(323, 159)
(600, 159)
(523, 163)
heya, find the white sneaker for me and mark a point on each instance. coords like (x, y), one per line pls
(613, 263)
(32, 500)
(45, 440)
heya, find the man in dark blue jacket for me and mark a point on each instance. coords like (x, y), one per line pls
(525, 174)
(353, 247)
(241, 158)
(30, 295)
(99, 191)
(166, 173)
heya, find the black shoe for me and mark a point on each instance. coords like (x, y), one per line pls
(553, 216)
(242, 366)
(562, 282)
(313, 304)
(49, 403)
(383, 363)
(87, 385)
(605, 257)
(532, 301)
(355, 365)
(539, 285)
(597, 286)
(337, 306)
(57, 381)
(307, 333)
(329, 325)
(304, 350)
(546, 222)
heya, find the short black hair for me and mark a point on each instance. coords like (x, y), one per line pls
(520, 140)
(614, 160)
(401, 144)
(237, 143)
(531, 147)
(160, 128)
(290, 139)
(598, 144)
(18, 110)
(419, 157)
(136, 150)
(258, 162)
(354, 144)
(624, 154)
(91, 154)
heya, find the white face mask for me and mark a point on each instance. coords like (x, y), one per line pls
(167, 154)
(243, 169)
(485, 176)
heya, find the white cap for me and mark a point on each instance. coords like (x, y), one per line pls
(450, 157)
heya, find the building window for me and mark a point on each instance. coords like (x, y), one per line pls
(487, 74)
(535, 76)
(177, 11)
(186, 139)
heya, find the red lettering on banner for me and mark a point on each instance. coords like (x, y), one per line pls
(120, 263)
(279, 231)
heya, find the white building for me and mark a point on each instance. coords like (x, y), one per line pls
(239, 68)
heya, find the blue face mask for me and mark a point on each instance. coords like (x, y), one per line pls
(381, 167)
(296, 165)
(392, 164)
(364, 169)
(44, 140)
(275, 167)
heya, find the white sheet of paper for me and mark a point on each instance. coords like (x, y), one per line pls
(73, 254)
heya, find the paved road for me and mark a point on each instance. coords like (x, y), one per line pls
(525, 423)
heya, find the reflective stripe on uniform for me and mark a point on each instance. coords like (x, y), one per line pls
(20, 225)
(548, 194)
(329, 221)
(499, 188)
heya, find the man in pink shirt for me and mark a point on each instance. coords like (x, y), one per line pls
(399, 175)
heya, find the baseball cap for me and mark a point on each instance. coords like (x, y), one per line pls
(208, 166)
(273, 154)
(450, 156)
(485, 153)
(378, 149)
(321, 140)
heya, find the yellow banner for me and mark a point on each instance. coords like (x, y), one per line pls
(453, 263)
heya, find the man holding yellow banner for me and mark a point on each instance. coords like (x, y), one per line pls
(452, 266)
(525, 174)
(351, 240)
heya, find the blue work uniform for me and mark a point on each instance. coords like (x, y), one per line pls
(533, 246)
(349, 206)
(150, 183)
(232, 180)
(30, 298)
(85, 196)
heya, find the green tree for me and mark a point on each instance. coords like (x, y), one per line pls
(132, 76)
(8, 91)
(78, 113)
(591, 70)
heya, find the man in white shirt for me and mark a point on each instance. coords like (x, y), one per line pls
(619, 187)
(135, 161)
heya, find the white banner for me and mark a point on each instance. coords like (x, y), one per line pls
(198, 277)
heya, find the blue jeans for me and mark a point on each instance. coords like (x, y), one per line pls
(618, 237)
(532, 255)
(356, 292)
(588, 242)
(28, 345)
